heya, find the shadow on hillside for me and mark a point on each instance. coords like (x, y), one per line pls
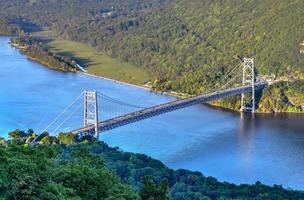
(84, 62)
(45, 40)
(258, 97)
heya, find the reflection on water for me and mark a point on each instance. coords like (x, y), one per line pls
(246, 141)
(229, 146)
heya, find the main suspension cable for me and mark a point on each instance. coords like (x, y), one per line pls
(118, 101)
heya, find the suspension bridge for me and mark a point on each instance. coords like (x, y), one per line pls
(91, 102)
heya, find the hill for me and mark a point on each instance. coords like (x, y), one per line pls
(93, 170)
(187, 46)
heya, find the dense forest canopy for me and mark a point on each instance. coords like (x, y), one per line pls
(187, 46)
(61, 168)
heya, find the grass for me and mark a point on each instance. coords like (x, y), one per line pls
(98, 63)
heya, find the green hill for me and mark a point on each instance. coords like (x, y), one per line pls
(187, 46)
(61, 168)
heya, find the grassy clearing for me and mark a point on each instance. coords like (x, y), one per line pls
(98, 63)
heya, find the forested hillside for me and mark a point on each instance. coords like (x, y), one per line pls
(188, 46)
(60, 168)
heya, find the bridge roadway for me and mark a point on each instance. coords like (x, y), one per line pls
(166, 107)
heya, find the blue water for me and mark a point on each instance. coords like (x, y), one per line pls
(226, 145)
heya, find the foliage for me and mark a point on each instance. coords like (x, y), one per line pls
(21, 136)
(97, 171)
(8, 28)
(283, 97)
(17, 134)
(138, 170)
(34, 49)
(35, 173)
(151, 191)
(99, 63)
(187, 46)
(66, 138)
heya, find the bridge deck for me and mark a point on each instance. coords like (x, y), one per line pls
(167, 107)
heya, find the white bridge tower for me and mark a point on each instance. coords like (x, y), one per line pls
(90, 110)
(248, 100)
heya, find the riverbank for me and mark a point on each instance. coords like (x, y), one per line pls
(145, 86)
(274, 100)
(233, 102)
(97, 63)
(36, 52)
(73, 48)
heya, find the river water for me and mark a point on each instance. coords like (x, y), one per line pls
(229, 146)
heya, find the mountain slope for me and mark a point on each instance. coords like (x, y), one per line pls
(188, 46)
(198, 38)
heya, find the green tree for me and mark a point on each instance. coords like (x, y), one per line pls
(152, 191)
(16, 134)
(66, 138)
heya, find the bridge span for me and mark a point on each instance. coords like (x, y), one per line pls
(166, 107)
(92, 126)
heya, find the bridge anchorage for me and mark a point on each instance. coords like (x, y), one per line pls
(122, 116)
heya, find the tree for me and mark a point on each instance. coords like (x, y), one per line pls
(152, 191)
(16, 134)
(66, 138)
(2, 141)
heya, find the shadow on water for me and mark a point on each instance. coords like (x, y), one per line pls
(293, 121)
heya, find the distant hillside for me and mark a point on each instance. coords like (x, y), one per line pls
(46, 13)
(198, 38)
(187, 45)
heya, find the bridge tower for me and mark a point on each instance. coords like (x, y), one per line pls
(248, 100)
(90, 110)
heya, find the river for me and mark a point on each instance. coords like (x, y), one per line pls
(229, 146)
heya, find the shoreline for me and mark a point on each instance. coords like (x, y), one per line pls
(145, 87)
(215, 106)
(83, 71)
(172, 94)
(45, 64)
(179, 95)
(114, 80)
